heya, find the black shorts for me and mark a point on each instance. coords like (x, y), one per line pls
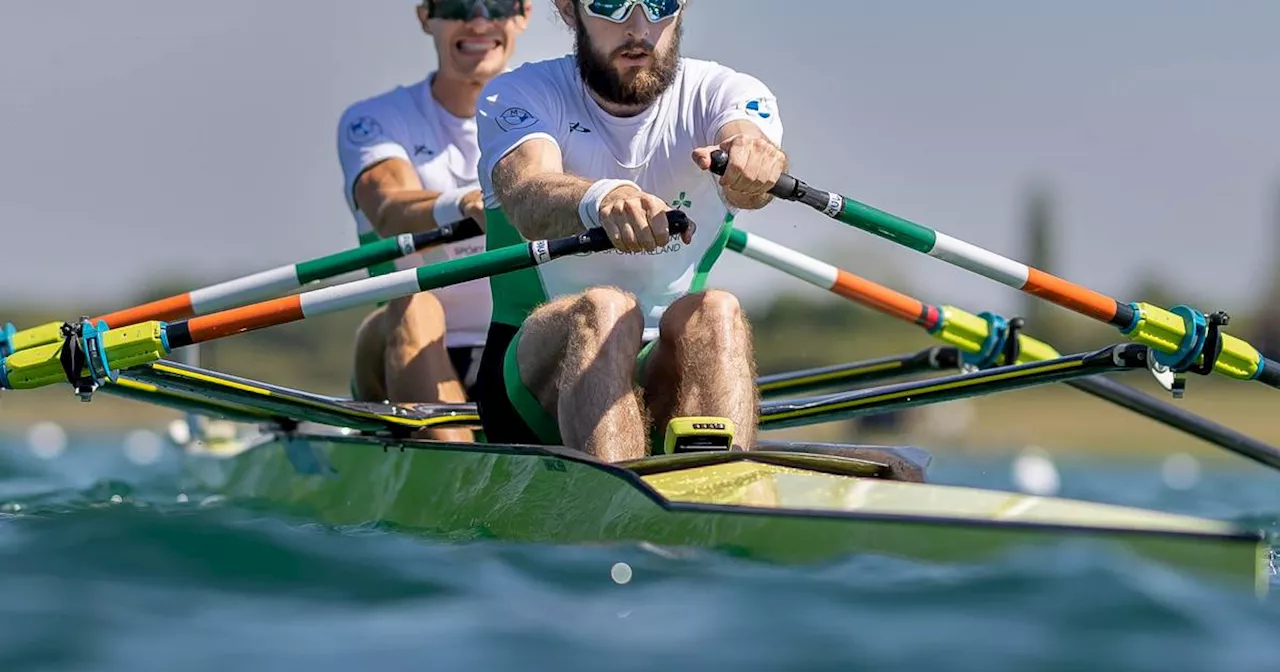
(509, 411)
(498, 416)
(465, 363)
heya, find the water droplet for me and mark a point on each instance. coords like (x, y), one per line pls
(1034, 472)
(182, 498)
(47, 440)
(142, 447)
(180, 432)
(620, 573)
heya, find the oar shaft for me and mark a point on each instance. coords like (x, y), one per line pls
(149, 341)
(1178, 336)
(835, 280)
(258, 286)
(984, 262)
(362, 292)
(967, 331)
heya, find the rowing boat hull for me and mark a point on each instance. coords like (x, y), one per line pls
(785, 511)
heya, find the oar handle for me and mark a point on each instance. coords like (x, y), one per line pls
(788, 188)
(597, 240)
(448, 233)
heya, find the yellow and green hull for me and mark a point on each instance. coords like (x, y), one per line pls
(785, 503)
(779, 506)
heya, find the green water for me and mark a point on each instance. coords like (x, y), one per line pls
(107, 566)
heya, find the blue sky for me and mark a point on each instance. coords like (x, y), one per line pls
(145, 137)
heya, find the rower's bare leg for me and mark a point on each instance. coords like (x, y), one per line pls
(415, 363)
(371, 344)
(704, 364)
(577, 355)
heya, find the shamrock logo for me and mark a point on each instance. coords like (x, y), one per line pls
(681, 202)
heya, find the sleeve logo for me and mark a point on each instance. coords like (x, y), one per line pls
(363, 130)
(760, 107)
(515, 118)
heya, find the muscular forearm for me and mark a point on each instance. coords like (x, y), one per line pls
(545, 205)
(405, 212)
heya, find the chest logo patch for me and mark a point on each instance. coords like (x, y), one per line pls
(514, 118)
(364, 130)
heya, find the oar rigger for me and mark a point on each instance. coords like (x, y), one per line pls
(1198, 351)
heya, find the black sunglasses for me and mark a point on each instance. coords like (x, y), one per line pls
(465, 10)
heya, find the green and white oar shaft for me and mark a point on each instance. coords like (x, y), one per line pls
(1184, 339)
(97, 351)
(985, 337)
(250, 288)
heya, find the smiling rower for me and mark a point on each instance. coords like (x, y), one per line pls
(409, 159)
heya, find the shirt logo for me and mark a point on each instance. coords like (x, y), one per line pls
(575, 127)
(419, 150)
(760, 107)
(682, 202)
(363, 130)
(516, 118)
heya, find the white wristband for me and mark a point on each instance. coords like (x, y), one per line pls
(589, 206)
(448, 207)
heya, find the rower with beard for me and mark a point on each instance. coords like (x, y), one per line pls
(599, 352)
(408, 159)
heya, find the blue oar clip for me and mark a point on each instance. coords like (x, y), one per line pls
(7, 334)
(993, 347)
(95, 352)
(1192, 345)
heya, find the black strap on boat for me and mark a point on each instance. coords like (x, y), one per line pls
(73, 359)
(1212, 343)
(83, 350)
(1012, 346)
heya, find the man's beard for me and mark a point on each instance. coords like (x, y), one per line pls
(645, 87)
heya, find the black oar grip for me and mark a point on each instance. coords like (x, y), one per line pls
(597, 240)
(677, 222)
(786, 187)
(448, 233)
(464, 229)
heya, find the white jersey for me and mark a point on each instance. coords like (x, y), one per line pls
(408, 123)
(548, 100)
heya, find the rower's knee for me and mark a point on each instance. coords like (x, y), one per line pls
(415, 322)
(713, 313)
(369, 357)
(605, 311)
